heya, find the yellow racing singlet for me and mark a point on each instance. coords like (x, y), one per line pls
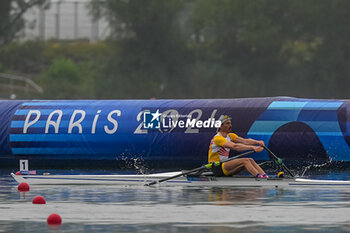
(217, 151)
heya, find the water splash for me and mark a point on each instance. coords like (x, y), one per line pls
(135, 163)
(317, 166)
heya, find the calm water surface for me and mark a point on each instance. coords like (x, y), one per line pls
(175, 209)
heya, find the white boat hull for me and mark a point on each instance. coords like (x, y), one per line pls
(179, 181)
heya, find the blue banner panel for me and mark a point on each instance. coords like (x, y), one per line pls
(112, 129)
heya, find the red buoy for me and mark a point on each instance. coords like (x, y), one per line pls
(54, 220)
(39, 200)
(18, 173)
(23, 187)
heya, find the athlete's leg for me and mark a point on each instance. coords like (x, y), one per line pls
(256, 166)
(237, 165)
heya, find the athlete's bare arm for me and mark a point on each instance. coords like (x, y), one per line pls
(249, 141)
(242, 147)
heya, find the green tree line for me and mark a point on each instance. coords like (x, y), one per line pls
(195, 49)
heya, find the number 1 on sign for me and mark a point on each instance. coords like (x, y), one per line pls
(23, 165)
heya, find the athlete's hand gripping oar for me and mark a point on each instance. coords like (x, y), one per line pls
(278, 160)
(206, 166)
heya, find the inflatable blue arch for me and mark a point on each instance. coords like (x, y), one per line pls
(169, 132)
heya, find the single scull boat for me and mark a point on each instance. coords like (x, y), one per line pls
(202, 180)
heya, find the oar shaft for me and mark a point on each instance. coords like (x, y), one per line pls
(173, 177)
(270, 152)
(287, 169)
(276, 158)
(239, 156)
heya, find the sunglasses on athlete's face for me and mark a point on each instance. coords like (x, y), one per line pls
(227, 125)
(228, 122)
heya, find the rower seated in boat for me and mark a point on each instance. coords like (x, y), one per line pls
(220, 147)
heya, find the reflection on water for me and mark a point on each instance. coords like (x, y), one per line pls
(174, 209)
(227, 196)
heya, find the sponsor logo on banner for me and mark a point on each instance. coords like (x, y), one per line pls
(157, 120)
